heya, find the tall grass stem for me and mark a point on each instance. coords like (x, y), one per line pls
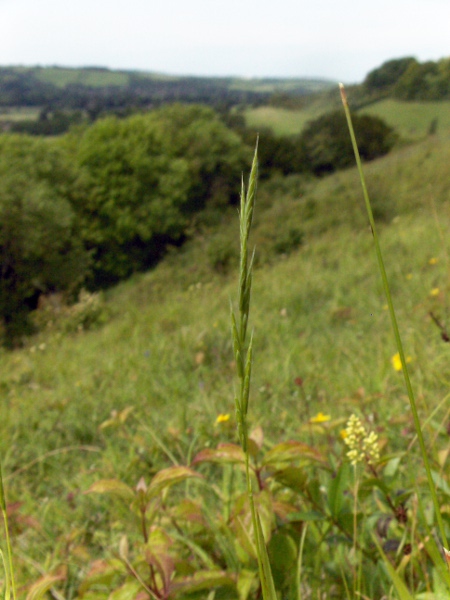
(394, 323)
(8, 540)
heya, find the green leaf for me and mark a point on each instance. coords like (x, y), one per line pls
(223, 454)
(282, 551)
(243, 537)
(246, 580)
(42, 585)
(265, 572)
(289, 452)
(102, 572)
(127, 591)
(112, 486)
(294, 478)
(168, 477)
(336, 489)
(202, 580)
(398, 582)
(311, 515)
(391, 468)
(7, 594)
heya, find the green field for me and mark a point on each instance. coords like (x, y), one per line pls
(144, 390)
(412, 120)
(61, 77)
(17, 113)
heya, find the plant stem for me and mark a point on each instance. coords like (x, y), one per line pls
(8, 540)
(394, 323)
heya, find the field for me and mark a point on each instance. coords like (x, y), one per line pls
(412, 120)
(17, 113)
(153, 384)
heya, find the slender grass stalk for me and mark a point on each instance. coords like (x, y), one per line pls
(243, 353)
(11, 583)
(298, 575)
(394, 323)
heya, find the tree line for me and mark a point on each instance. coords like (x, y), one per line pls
(408, 79)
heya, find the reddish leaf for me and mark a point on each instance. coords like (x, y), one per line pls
(112, 486)
(202, 580)
(291, 451)
(223, 454)
(168, 477)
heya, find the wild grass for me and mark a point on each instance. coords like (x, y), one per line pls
(322, 345)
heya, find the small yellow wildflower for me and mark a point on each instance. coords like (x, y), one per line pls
(409, 276)
(362, 446)
(397, 363)
(320, 418)
(432, 261)
(222, 418)
(435, 292)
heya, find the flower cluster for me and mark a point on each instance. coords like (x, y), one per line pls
(362, 446)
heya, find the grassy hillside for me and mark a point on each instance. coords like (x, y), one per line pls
(412, 120)
(165, 354)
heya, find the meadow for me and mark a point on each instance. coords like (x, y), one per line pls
(412, 120)
(150, 385)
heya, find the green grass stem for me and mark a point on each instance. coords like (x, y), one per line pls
(11, 584)
(394, 323)
(243, 352)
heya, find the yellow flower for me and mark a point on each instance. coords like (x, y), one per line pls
(409, 276)
(435, 292)
(397, 363)
(222, 418)
(432, 261)
(320, 418)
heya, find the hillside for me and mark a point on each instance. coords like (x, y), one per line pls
(143, 387)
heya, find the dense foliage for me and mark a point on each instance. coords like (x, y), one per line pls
(139, 181)
(104, 201)
(326, 145)
(40, 249)
(408, 79)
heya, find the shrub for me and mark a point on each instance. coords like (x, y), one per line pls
(327, 147)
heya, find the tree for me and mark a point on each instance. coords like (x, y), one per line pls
(39, 249)
(139, 180)
(326, 143)
(388, 74)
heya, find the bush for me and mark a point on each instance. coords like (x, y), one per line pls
(53, 313)
(327, 145)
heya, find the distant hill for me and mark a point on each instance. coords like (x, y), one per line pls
(99, 89)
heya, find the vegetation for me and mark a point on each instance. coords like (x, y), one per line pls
(131, 469)
(139, 412)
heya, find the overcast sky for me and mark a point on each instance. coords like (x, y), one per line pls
(336, 39)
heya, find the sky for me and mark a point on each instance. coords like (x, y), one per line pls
(334, 39)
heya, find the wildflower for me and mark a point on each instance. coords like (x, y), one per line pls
(397, 363)
(435, 292)
(222, 418)
(320, 418)
(409, 276)
(362, 446)
(432, 261)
